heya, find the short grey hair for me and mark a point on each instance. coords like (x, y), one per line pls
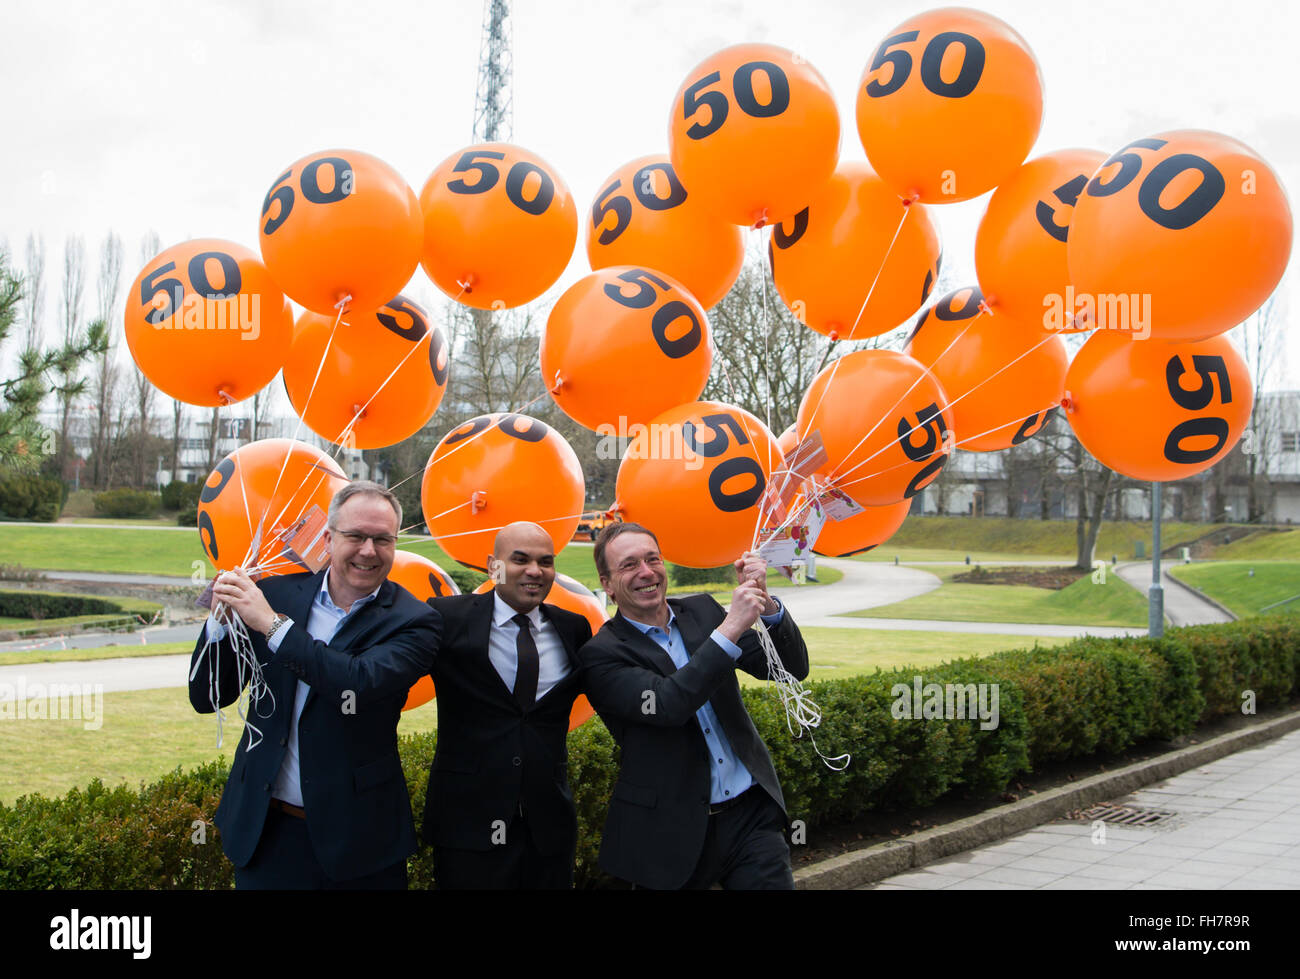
(357, 488)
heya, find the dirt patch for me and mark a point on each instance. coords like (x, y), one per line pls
(1053, 578)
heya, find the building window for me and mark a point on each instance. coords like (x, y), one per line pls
(1291, 441)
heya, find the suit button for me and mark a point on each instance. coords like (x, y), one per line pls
(266, 787)
(517, 761)
(283, 742)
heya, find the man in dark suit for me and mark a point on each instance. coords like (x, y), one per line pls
(499, 812)
(316, 798)
(697, 801)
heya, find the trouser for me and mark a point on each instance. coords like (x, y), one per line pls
(745, 848)
(514, 864)
(284, 860)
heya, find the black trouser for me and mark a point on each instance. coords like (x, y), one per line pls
(513, 864)
(284, 860)
(745, 848)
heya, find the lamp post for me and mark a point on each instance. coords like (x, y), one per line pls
(1155, 594)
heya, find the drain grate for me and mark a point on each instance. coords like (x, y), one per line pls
(1124, 815)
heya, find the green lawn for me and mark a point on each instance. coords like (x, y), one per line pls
(1114, 603)
(126, 650)
(1231, 584)
(1264, 545)
(147, 732)
(983, 536)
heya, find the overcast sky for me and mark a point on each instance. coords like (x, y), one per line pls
(177, 117)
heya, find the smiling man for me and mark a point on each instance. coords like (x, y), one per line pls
(697, 801)
(499, 812)
(317, 800)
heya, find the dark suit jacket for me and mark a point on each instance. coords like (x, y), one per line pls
(353, 789)
(659, 812)
(492, 756)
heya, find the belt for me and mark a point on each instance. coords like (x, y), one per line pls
(717, 807)
(297, 812)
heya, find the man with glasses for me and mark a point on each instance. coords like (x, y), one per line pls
(316, 797)
(697, 800)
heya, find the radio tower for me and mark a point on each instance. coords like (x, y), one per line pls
(493, 111)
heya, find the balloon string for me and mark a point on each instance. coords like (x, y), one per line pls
(485, 530)
(839, 483)
(890, 410)
(347, 429)
(801, 713)
(907, 209)
(948, 405)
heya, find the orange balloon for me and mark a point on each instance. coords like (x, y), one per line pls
(645, 217)
(425, 580)
(572, 596)
(862, 531)
(263, 491)
(499, 226)
(1004, 381)
(1190, 228)
(1155, 411)
(493, 470)
(949, 105)
(624, 344)
(841, 249)
(206, 324)
(390, 367)
(884, 422)
(788, 440)
(695, 477)
(1020, 246)
(754, 133)
(341, 223)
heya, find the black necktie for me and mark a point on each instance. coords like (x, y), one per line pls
(526, 675)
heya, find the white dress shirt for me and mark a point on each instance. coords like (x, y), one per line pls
(552, 660)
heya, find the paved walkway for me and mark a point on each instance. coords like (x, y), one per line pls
(1237, 825)
(1182, 605)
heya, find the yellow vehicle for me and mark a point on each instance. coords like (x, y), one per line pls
(590, 524)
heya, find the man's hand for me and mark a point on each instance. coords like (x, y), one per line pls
(237, 590)
(747, 603)
(753, 567)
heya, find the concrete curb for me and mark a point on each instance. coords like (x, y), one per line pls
(883, 860)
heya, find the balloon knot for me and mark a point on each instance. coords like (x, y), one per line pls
(559, 383)
(1067, 403)
(477, 501)
(467, 283)
(760, 218)
(834, 335)
(985, 308)
(225, 396)
(345, 300)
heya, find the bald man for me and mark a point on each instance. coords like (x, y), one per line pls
(498, 812)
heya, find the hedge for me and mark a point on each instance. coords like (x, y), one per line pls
(1091, 697)
(180, 495)
(24, 496)
(38, 605)
(681, 575)
(126, 503)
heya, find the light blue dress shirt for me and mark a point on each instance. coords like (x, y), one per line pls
(728, 776)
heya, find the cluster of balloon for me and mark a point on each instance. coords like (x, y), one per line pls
(852, 225)
(949, 105)
(644, 217)
(206, 324)
(499, 226)
(341, 229)
(1193, 222)
(748, 103)
(1158, 411)
(377, 377)
(884, 422)
(493, 470)
(1005, 380)
(258, 496)
(572, 596)
(696, 475)
(1020, 246)
(623, 345)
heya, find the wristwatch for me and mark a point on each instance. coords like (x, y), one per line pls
(279, 621)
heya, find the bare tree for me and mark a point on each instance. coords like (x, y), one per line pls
(34, 294)
(106, 289)
(70, 386)
(1260, 338)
